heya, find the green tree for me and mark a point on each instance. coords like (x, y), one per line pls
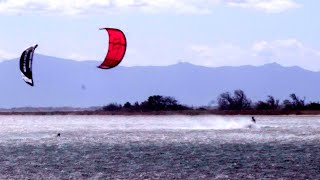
(238, 101)
(112, 107)
(295, 104)
(127, 105)
(270, 104)
(161, 103)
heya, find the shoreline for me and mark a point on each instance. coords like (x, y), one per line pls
(154, 113)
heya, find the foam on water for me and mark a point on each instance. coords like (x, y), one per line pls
(38, 127)
(231, 127)
(38, 123)
(159, 147)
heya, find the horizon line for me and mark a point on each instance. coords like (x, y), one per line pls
(177, 63)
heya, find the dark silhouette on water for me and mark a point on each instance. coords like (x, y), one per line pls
(253, 119)
(58, 135)
(251, 125)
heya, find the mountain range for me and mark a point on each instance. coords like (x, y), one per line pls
(69, 83)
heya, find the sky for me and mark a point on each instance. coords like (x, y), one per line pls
(209, 33)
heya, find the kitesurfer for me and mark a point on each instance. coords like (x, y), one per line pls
(253, 119)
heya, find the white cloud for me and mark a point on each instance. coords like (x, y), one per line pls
(78, 57)
(203, 50)
(269, 6)
(72, 7)
(4, 55)
(288, 52)
(76, 7)
(223, 54)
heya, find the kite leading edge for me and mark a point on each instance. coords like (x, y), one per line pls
(116, 50)
(26, 64)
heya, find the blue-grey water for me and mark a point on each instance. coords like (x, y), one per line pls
(159, 147)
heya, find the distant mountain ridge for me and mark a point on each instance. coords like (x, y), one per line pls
(62, 82)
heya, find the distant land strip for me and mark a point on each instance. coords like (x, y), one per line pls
(227, 104)
(184, 112)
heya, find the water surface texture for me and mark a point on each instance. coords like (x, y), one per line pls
(159, 147)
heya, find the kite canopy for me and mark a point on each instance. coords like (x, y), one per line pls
(117, 48)
(26, 64)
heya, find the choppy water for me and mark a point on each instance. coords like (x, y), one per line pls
(159, 147)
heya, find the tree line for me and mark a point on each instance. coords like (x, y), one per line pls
(153, 103)
(239, 101)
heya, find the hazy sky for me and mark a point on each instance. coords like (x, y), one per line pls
(163, 32)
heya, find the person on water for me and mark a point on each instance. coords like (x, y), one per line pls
(253, 119)
(58, 135)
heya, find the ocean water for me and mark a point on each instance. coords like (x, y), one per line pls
(159, 147)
